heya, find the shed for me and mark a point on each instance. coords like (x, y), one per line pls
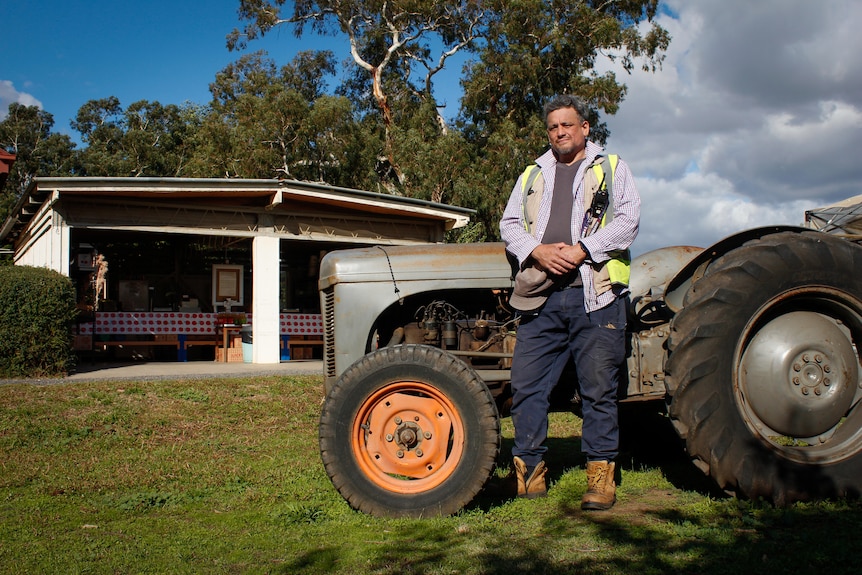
(209, 245)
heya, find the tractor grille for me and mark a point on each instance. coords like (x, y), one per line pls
(329, 333)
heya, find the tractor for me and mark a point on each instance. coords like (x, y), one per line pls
(749, 346)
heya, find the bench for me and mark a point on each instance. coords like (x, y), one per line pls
(206, 342)
(186, 343)
(129, 343)
(301, 343)
(136, 343)
(181, 343)
(298, 331)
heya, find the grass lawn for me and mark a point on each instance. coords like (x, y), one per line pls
(224, 476)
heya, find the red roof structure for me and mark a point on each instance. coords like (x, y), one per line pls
(6, 161)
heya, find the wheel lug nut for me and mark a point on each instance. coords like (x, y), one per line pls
(797, 367)
(418, 453)
(427, 435)
(416, 418)
(795, 381)
(389, 437)
(399, 454)
(804, 391)
(827, 381)
(397, 421)
(827, 368)
(816, 391)
(805, 358)
(818, 358)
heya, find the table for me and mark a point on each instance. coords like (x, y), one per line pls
(194, 328)
(226, 329)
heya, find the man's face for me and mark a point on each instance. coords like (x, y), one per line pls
(567, 133)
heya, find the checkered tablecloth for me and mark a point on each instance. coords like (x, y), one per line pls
(188, 323)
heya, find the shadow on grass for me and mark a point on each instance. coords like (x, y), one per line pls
(655, 535)
(752, 539)
(647, 440)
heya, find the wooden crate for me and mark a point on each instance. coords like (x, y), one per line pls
(234, 354)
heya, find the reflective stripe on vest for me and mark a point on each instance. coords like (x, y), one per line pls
(528, 178)
(619, 266)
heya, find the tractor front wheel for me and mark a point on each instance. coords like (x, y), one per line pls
(410, 431)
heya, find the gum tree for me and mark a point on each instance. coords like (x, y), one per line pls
(402, 38)
(523, 51)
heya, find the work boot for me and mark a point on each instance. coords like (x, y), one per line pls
(533, 486)
(601, 489)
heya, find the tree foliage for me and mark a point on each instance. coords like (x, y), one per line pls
(535, 49)
(394, 37)
(26, 132)
(525, 51)
(270, 122)
(145, 139)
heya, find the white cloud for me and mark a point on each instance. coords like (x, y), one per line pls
(755, 117)
(679, 212)
(9, 95)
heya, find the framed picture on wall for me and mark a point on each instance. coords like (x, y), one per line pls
(228, 284)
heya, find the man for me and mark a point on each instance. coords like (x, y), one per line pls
(578, 319)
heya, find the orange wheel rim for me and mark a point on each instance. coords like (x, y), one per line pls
(407, 437)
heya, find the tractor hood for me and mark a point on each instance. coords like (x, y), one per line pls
(486, 261)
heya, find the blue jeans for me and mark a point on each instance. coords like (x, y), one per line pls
(596, 342)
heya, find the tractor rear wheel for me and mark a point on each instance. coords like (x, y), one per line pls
(764, 369)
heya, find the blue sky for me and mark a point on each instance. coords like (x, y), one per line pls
(755, 117)
(67, 52)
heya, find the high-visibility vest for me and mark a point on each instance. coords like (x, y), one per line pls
(617, 270)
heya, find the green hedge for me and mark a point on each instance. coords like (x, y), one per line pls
(37, 309)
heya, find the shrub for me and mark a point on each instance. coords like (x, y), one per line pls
(37, 308)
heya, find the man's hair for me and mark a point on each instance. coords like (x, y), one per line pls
(566, 101)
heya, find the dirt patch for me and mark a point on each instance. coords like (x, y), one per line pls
(641, 509)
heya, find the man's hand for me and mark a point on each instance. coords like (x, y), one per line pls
(559, 259)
